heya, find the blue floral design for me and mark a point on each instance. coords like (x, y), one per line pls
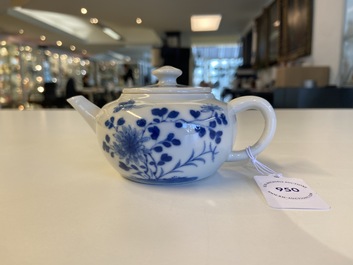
(129, 145)
(127, 105)
(147, 164)
(210, 108)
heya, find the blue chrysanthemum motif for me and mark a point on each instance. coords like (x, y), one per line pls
(144, 149)
(129, 145)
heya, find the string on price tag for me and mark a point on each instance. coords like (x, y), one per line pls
(285, 193)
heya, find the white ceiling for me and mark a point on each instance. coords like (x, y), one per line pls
(158, 16)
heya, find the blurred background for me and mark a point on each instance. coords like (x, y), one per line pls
(294, 53)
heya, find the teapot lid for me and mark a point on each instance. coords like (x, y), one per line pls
(167, 84)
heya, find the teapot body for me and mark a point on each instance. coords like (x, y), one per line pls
(170, 134)
(165, 138)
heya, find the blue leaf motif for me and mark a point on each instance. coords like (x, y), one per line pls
(141, 122)
(109, 123)
(158, 149)
(178, 124)
(123, 166)
(212, 134)
(213, 124)
(195, 113)
(167, 144)
(106, 147)
(121, 121)
(224, 119)
(173, 114)
(219, 121)
(170, 136)
(166, 158)
(134, 167)
(154, 132)
(159, 112)
(202, 132)
(176, 142)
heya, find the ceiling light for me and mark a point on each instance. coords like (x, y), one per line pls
(74, 26)
(21, 31)
(42, 37)
(59, 43)
(83, 11)
(93, 20)
(72, 47)
(111, 33)
(40, 89)
(138, 20)
(205, 22)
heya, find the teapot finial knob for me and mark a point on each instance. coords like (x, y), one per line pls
(167, 75)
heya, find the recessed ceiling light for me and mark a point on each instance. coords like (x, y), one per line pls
(21, 31)
(72, 47)
(59, 43)
(138, 20)
(84, 11)
(205, 22)
(93, 20)
(42, 37)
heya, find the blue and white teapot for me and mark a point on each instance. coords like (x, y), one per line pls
(167, 133)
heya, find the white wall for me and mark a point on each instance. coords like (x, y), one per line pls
(328, 22)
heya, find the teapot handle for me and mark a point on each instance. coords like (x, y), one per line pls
(252, 102)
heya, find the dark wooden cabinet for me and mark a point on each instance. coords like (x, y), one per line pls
(284, 32)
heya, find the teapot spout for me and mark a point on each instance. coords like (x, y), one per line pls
(86, 108)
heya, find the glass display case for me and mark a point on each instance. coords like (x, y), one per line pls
(25, 72)
(10, 81)
(216, 67)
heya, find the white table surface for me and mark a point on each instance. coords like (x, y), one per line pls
(61, 203)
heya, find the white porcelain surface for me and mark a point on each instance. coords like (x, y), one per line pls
(61, 202)
(168, 134)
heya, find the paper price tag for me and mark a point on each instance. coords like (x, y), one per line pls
(289, 193)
